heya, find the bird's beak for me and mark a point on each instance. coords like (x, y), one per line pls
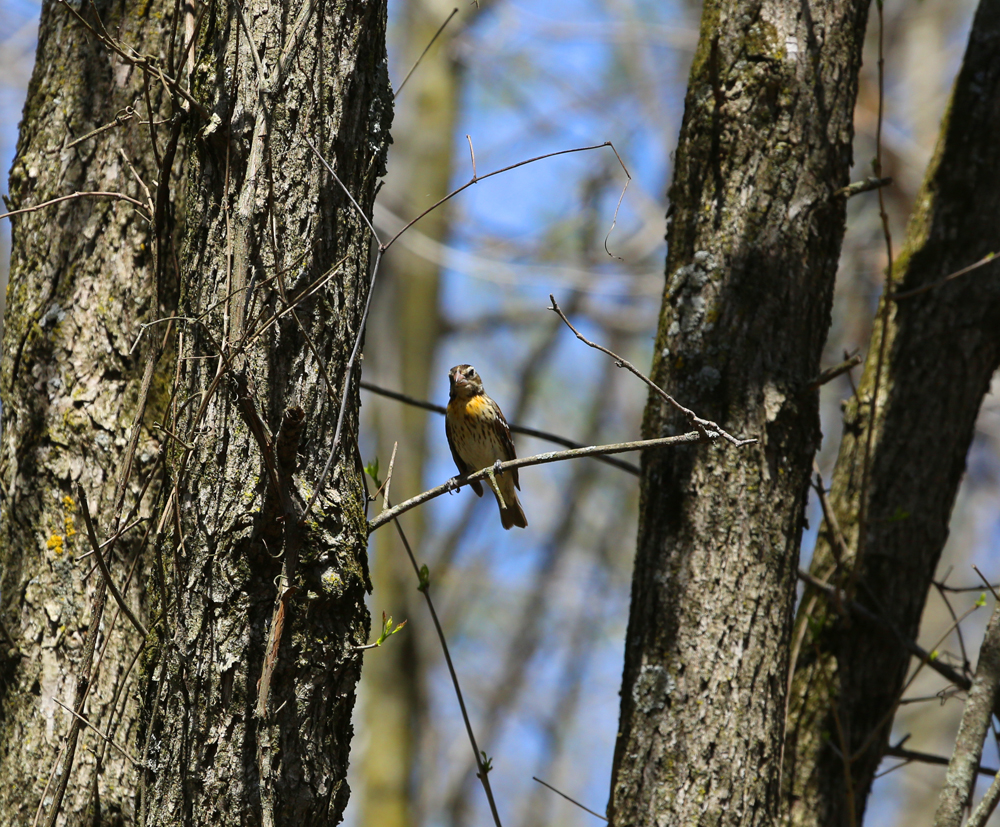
(458, 379)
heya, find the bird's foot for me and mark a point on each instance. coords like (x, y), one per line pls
(491, 473)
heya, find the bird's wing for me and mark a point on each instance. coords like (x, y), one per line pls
(463, 468)
(503, 434)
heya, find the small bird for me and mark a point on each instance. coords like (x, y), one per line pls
(479, 436)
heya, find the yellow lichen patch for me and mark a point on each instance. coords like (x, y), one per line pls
(69, 509)
(55, 544)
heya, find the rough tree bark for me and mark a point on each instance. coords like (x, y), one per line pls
(255, 599)
(753, 248)
(942, 346)
(82, 280)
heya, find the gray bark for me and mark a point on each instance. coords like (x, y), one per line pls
(753, 248)
(960, 781)
(82, 280)
(248, 224)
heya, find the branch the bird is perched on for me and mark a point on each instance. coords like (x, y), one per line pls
(538, 459)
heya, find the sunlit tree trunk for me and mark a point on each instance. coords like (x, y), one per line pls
(252, 576)
(82, 281)
(753, 247)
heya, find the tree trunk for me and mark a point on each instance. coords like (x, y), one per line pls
(82, 281)
(753, 248)
(255, 567)
(941, 349)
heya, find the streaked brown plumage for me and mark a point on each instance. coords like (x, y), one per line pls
(478, 436)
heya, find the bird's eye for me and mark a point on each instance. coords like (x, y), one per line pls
(469, 372)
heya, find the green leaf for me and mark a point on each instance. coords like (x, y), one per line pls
(371, 469)
(387, 629)
(425, 578)
(982, 599)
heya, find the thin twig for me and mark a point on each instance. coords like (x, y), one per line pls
(916, 291)
(929, 758)
(424, 580)
(538, 459)
(113, 537)
(708, 429)
(348, 374)
(117, 196)
(472, 152)
(424, 52)
(961, 638)
(388, 476)
(516, 429)
(907, 643)
(92, 536)
(347, 192)
(839, 544)
(123, 115)
(149, 198)
(87, 723)
(961, 589)
(621, 197)
(142, 63)
(477, 179)
(987, 582)
(571, 800)
(262, 74)
(858, 187)
(830, 374)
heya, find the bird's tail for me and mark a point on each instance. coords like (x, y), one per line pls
(513, 514)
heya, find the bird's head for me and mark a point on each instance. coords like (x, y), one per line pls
(465, 382)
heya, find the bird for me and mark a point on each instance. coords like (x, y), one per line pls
(479, 437)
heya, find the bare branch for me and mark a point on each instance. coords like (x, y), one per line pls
(858, 187)
(117, 196)
(929, 758)
(476, 179)
(918, 290)
(424, 52)
(961, 777)
(708, 429)
(106, 739)
(907, 643)
(538, 459)
(571, 800)
(92, 536)
(830, 374)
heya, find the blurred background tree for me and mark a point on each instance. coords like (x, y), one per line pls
(537, 618)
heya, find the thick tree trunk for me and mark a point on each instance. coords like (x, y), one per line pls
(247, 680)
(753, 248)
(82, 281)
(941, 349)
